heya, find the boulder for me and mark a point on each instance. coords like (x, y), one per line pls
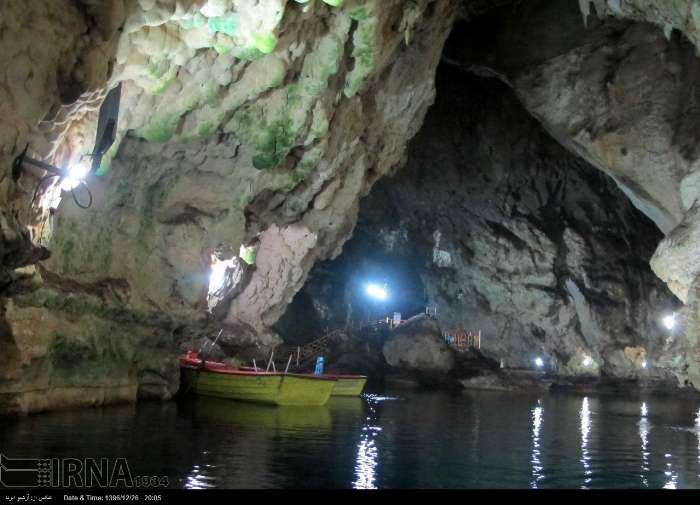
(418, 346)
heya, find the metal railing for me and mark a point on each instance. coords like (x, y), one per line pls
(463, 340)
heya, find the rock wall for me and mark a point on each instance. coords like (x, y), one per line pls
(620, 92)
(265, 122)
(240, 122)
(56, 59)
(504, 231)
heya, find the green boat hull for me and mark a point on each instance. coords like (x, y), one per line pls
(271, 389)
(349, 386)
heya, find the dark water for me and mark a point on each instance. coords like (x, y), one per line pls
(400, 440)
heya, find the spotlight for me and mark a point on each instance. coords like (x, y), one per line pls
(218, 272)
(587, 361)
(74, 176)
(218, 276)
(644, 364)
(377, 292)
(539, 362)
(670, 321)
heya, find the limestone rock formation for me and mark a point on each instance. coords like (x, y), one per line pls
(418, 346)
(619, 93)
(240, 122)
(504, 231)
(265, 122)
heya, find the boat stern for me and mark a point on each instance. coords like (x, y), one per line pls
(305, 390)
(349, 386)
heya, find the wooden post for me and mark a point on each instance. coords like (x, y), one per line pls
(272, 354)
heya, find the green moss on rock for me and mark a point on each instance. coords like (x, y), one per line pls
(248, 54)
(205, 129)
(274, 143)
(160, 130)
(197, 21)
(364, 48)
(320, 65)
(224, 24)
(221, 49)
(273, 130)
(265, 42)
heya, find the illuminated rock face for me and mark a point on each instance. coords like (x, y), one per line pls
(240, 121)
(55, 59)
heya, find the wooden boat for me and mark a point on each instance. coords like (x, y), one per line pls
(276, 388)
(347, 385)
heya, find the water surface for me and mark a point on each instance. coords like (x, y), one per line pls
(400, 439)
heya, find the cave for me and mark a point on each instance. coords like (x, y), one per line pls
(501, 230)
(479, 211)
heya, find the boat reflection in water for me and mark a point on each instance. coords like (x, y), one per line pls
(345, 407)
(249, 445)
(263, 417)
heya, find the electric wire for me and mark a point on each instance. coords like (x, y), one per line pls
(75, 198)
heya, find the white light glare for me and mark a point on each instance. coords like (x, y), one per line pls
(76, 174)
(539, 362)
(378, 292)
(644, 364)
(218, 273)
(670, 321)
(587, 361)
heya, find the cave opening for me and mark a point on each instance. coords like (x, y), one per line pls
(502, 226)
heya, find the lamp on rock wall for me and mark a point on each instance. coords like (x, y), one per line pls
(74, 176)
(669, 321)
(69, 178)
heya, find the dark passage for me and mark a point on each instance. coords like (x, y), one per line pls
(504, 231)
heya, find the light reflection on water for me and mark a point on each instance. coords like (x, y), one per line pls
(199, 479)
(585, 433)
(644, 435)
(671, 476)
(367, 453)
(697, 431)
(536, 462)
(420, 440)
(366, 464)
